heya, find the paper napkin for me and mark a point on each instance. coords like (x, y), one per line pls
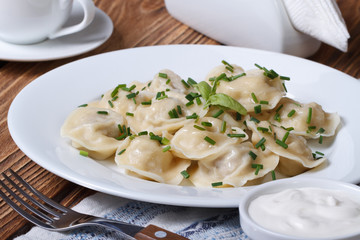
(320, 19)
(193, 223)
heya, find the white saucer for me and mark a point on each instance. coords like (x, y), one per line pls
(93, 36)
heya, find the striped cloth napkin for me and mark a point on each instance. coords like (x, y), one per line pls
(193, 223)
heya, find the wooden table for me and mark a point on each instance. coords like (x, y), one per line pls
(137, 23)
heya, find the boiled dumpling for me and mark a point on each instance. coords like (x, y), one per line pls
(189, 142)
(235, 167)
(295, 156)
(296, 115)
(94, 130)
(167, 80)
(125, 101)
(229, 70)
(267, 92)
(155, 117)
(146, 158)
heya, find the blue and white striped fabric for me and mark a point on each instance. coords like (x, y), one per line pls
(193, 223)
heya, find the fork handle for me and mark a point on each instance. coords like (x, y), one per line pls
(153, 232)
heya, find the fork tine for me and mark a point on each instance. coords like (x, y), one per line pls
(33, 200)
(38, 194)
(23, 213)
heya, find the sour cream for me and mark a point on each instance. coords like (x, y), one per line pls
(308, 212)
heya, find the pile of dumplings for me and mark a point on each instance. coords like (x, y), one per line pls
(164, 131)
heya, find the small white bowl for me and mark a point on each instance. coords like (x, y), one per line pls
(257, 232)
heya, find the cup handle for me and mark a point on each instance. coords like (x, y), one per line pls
(89, 14)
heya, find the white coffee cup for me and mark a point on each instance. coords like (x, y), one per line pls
(33, 21)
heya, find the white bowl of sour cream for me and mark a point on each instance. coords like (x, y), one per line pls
(303, 208)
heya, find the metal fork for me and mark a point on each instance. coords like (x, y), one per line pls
(52, 216)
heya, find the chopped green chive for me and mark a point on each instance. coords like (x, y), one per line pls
(258, 167)
(84, 153)
(165, 141)
(190, 97)
(227, 64)
(291, 113)
(198, 101)
(192, 116)
(103, 112)
(252, 155)
(284, 78)
(209, 140)
(284, 87)
(185, 83)
(155, 137)
(131, 95)
(163, 75)
(273, 176)
(238, 116)
(173, 114)
(120, 128)
(285, 137)
(168, 81)
(146, 103)
(199, 128)
(185, 174)
(232, 78)
(319, 153)
(122, 151)
(264, 102)
(129, 114)
(167, 148)
(254, 120)
(160, 95)
(281, 143)
(262, 129)
(83, 105)
(223, 127)
(116, 89)
(189, 103)
(143, 133)
(261, 142)
(218, 113)
(277, 117)
(216, 184)
(111, 104)
(262, 147)
(221, 76)
(321, 130)
(206, 124)
(179, 109)
(308, 120)
(287, 129)
(254, 98)
(310, 129)
(279, 108)
(238, 135)
(132, 88)
(321, 139)
(191, 81)
(257, 109)
(114, 98)
(255, 165)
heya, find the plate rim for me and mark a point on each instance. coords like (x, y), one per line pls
(197, 202)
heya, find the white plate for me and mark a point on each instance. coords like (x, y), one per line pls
(39, 110)
(68, 46)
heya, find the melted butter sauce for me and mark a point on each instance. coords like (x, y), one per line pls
(308, 212)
